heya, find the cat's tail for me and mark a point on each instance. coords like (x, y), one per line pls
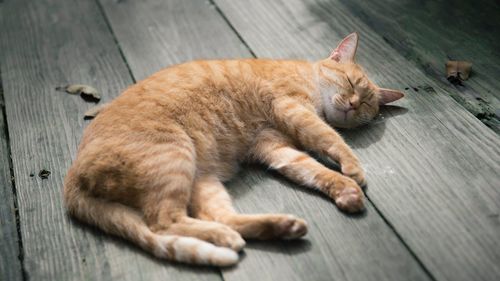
(120, 220)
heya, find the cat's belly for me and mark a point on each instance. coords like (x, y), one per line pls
(222, 142)
(226, 173)
(221, 154)
(223, 162)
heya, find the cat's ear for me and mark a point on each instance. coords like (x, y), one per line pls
(346, 50)
(387, 95)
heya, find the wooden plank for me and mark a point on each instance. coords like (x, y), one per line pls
(47, 44)
(338, 246)
(170, 32)
(433, 170)
(430, 34)
(10, 263)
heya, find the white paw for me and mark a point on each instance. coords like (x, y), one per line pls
(293, 228)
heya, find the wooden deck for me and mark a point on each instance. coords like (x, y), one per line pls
(432, 161)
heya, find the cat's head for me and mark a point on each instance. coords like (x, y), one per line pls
(349, 98)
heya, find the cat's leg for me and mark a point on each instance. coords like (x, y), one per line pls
(210, 231)
(213, 232)
(314, 134)
(277, 150)
(210, 201)
(168, 176)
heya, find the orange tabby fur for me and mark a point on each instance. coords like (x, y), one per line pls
(150, 167)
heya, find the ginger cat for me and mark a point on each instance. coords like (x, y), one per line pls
(151, 166)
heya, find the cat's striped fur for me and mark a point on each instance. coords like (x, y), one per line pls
(150, 167)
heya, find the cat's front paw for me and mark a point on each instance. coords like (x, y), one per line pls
(355, 172)
(349, 197)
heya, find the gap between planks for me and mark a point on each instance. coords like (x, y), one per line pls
(231, 26)
(12, 181)
(112, 32)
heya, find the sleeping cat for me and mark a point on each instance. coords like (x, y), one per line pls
(151, 166)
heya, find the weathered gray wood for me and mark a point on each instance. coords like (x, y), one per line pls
(338, 246)
(432, 171)
(10, 264)
(430, 34)
(162, 33)
(46, 44)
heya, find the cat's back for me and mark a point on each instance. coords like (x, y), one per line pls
(195, 94)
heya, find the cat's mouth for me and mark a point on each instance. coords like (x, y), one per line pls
(346, 112)
(342, 117)
(339, 114)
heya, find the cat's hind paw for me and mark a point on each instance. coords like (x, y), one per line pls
(229, 239)
(293, 228)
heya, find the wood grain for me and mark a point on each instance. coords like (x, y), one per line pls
(429, 34)
(432, 167)
(46, 44)
(154, 34)
(10, 263)
(338, 246)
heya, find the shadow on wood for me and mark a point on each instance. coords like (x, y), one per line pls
(291, 247)
(363, 137)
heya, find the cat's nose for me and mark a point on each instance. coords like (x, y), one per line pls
(354, 102)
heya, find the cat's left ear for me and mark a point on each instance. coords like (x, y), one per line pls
(387, 96)
(346, 50)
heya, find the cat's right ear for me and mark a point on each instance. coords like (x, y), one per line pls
(387, 95)
(346, 50)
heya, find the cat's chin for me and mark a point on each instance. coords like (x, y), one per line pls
(341, 119)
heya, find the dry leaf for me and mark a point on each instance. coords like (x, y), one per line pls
(458, 71)
(92, 112)
(44, 174)
(87, 93)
